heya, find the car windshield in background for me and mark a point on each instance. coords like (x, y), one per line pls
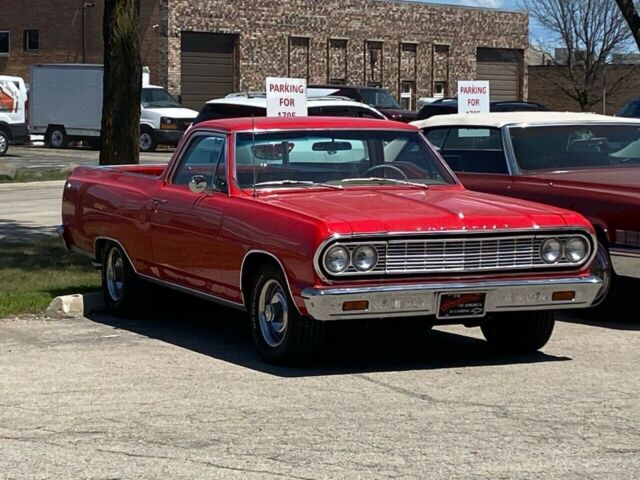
(337, 159)
(567, 146)
(157, 98)
(378, 98)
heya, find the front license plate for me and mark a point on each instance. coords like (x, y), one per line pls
(461, 305)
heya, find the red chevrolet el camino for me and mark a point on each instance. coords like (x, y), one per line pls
(308, 220)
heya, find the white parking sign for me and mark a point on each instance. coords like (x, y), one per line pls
(473, 97)
(286, 97)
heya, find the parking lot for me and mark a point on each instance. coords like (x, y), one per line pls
(182, 394)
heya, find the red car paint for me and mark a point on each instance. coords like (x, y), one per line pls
(200, 240)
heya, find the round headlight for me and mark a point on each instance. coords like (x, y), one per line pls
(576, 249)
(551, 250)
(336, 260)
(365, 258)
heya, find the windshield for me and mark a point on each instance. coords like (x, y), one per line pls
(337, 158)
(567, 146)
(157, 98)
(378, 98)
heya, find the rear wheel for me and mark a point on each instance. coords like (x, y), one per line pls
(4, 143)
(121, 287)
(57, 137)
(280, 333)
(519, 332)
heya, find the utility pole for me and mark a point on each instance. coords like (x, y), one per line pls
(85, 5)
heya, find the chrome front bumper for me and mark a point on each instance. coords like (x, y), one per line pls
(626, 262)
(422, 299)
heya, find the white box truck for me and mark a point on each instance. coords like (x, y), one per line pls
(66, 104)
(13, 112)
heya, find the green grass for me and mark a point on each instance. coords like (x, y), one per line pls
(36, 175)
(33, 273)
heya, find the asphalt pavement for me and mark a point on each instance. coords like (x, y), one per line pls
(39, 157)
(182, 394)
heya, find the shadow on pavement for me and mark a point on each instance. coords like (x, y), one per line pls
(351, 347)
(12, 231)
(620, 312)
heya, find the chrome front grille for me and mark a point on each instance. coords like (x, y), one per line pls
(474, 253)
(455, 255)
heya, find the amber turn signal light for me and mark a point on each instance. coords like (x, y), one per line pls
(564, 296)
(355, 305)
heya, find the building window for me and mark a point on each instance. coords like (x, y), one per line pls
(337, 61)
(439, 89)
(373, 63)
(31, 41)
(299, 57)
(407, 89)
(4, 43)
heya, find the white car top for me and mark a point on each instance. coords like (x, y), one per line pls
(259, 100)
(501, 119)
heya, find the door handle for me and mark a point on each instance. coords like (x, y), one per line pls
(158, 201)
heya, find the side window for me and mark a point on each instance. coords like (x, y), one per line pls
(216, 111)
(475, 150)
(437, 136)
(205, 156)
(337, 111)
(364, 113)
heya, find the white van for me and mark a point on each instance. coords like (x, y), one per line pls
(13, 112)
(66, 104)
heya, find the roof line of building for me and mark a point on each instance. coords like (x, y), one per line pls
(446, 5)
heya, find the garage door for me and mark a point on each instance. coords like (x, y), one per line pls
(502, 69)
(208, 67)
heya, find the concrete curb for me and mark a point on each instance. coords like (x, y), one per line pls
(77, 305)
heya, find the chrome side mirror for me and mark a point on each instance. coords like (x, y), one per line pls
(198, 184)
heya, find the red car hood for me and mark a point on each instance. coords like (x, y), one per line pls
(627, 175)
(383, 210)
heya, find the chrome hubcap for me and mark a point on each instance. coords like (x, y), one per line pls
(145, 141)
(601, 267)
(3, 143)
(56, 138)
(115, 275)
(273, 313)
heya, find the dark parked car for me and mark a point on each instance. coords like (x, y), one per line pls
(378, 98)
(449, 106)
(630, 110)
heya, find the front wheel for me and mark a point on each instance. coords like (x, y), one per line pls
(280, 333)
(147, 140)
(4, 143)
(519, 332)
(121, 287)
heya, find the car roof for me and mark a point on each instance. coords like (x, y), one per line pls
(501, 119)
(260, 101)
(301, 123)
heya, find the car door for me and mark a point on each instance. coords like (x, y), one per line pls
(186, 224)
(476, 155)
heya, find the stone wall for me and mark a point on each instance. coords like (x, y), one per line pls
(359, 41)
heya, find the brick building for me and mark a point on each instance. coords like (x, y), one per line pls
(201, 49)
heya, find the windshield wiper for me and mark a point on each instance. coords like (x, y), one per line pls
(383, 180)
(298, 182)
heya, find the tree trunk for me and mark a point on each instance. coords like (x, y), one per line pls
(630, 14)
(122, 83)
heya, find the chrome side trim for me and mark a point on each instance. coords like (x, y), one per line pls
(422, 299)
(625, 261)
(284, 272)
(195, 293)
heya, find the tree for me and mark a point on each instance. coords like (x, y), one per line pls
(122, 83)
(630, 14)
(589, 32)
